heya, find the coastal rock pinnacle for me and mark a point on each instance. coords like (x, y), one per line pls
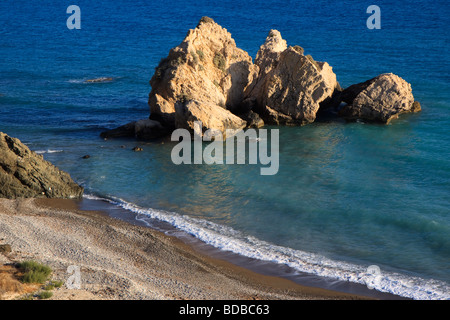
(204, 77)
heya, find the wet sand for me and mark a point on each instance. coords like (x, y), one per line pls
(125, 261)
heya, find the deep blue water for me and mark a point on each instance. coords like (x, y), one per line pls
(347, 195)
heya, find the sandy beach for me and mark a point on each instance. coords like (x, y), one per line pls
(122, 261)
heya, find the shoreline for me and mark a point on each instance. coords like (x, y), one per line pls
(252, 264)
(126, 261)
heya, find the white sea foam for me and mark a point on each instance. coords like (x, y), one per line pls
(48, 151)
(228, 239)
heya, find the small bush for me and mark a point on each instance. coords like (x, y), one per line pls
(205, 20)
(201, 54)
(300, 50)
(195, 57)
(45, 295)
(52, 285)
(34, 272)
(57, 284)
(219, 61)
(28, 296)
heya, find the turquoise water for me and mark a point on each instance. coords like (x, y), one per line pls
(346, 196)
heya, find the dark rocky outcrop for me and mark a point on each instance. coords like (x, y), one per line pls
(25, 174)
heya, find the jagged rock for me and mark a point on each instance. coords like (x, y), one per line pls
(206, 68)
(379, 99)
(25, 174)
(253, 119)
(290, 86)
(210, 115)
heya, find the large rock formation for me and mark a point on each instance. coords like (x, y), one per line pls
(206, 69)
(290, 87)
(380, 99)
(207, 78)
(25, 174)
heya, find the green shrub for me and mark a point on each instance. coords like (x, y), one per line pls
(219, 61)
(201, 54)
(205, 20)
(300, 50)
(57, 284)
(34, 272)
(45, 295)
(195, 57)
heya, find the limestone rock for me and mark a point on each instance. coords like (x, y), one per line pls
(206, 67)
(211, 116)
(290, 86)
(380, 99)
(25, 174)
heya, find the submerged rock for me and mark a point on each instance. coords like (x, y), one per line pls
(102, 79)
(25, 174)
(380, 99)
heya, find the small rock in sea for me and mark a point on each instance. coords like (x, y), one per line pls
(101, 79)
(5, 248)
(136, 149)
(123, 147)
(86, 156)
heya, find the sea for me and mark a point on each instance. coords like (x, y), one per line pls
(351, 204)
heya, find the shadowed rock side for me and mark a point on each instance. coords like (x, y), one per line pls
(25, 174)
(380, 99)
(145, 129)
